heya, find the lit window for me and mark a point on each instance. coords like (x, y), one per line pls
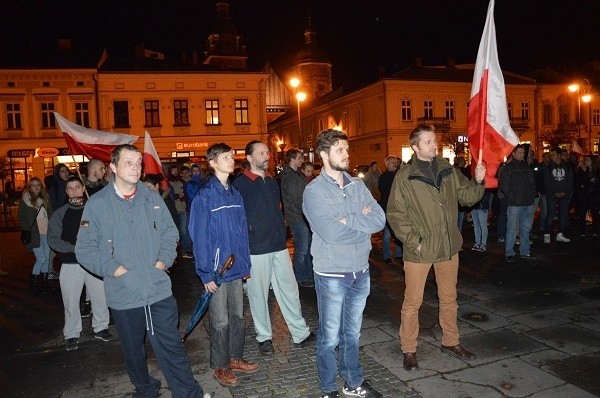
(212, 112)
(241, 111)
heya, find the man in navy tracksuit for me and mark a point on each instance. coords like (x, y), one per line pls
(127, 236)
(218, 230)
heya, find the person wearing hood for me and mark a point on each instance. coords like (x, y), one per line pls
(33, 214)
(193, 185)
(57, 184)
(62, 235)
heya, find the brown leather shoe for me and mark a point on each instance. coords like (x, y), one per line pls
(225, 377)
(459, 351)
(410, 361)
(242, 366)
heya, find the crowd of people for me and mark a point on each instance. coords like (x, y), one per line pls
(118, 235)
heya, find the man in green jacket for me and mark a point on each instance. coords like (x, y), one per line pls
(422, 210)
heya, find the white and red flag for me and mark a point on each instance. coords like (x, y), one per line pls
(152, 164)
(491, 138)
(91, 143)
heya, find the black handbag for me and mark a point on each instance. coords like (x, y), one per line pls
(26, 235)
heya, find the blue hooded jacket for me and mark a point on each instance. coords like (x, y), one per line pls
(193, 185)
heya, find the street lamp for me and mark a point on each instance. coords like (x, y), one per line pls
(300, 96)
(582, 95)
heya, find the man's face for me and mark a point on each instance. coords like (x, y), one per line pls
(546, 158)
(196, 171)
(74, 189)
(296, 162)
(392, 164)
(564, 156)
(426, 149)
(555, 156)
(375, 168)
(519, 154)
(63, 173)
(129, 169)
(98, 171)
(185, 175)
(153, 187)
(259, 160)
(224, 163)
(308, 171)
(339, 156)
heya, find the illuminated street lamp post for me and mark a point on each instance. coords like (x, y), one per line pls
(582, 95)
(300, 96)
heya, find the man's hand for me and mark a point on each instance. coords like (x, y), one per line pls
(342, 220)
(120, 271)
(211, 287)
(479, 173)
(419, 248)
(160, 265)
(366, 210)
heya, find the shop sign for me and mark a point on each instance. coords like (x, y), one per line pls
(20, 153)
(191, 145)
(48, 152)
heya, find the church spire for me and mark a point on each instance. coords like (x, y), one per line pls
(225, 48)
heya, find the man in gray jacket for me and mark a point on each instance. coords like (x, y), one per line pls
(292, 188)
(342, 214)
(127, 236)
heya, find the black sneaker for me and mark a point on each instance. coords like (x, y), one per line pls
(72, 344)
(510, 259)
(364, 390)
(265, 347)
(86, 311)
(331, 394)
(103, 335)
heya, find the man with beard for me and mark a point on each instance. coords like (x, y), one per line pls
(342, 214)
(62, 234)
(271, 262)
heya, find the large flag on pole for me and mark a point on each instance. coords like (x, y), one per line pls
(91, 143)
(152, 164)
(491, 138)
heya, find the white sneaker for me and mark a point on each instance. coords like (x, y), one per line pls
(561, 238)
(547, 238)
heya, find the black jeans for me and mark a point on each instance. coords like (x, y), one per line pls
(160, 320)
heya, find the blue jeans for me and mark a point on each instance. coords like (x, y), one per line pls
(341, 303)
(184, 235)
(302, 258)
(42, 257)
(480, 226)
(520, 217)
(387, 240)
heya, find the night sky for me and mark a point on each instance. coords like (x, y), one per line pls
(358, 36)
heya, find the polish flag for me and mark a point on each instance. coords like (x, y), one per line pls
(91, 143)
(491, 138)
(152, 164)
(576, 148)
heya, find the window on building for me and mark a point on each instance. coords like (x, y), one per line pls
(563, 113)
(406, 111)
(548, 114)
(121, 113)
(13, 116)
(509, 109)
(428, 109)
(152, 113)
(82, 114)
(450, 110)
(48, 120)
(596, 117)
(180, 109)
(212, 112)
(525, 110)
(241, 111)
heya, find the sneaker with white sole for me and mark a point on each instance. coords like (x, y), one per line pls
(546, 238)
(561, 238)
(364, 390)
(103, 335)
(71, 344)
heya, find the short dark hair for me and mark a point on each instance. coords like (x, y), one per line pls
(116, 153)
(373, 162)
(291, 154)
(415, 135)
(74, 178)
(153, 178)
(556, 150)
(328, 138)
(250, 146)
(213, 151)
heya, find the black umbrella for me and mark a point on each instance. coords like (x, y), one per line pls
(202, 305)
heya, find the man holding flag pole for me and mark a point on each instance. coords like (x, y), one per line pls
(422, 208)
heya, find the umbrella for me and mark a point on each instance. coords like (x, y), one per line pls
(202, 305)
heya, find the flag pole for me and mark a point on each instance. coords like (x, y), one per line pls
(87, 195)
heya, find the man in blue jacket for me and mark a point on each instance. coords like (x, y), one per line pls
(218, 230)
(271, 262)
(128, 237)
(342, 214)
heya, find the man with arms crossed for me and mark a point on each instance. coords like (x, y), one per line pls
(422, 211)
(342, 214)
